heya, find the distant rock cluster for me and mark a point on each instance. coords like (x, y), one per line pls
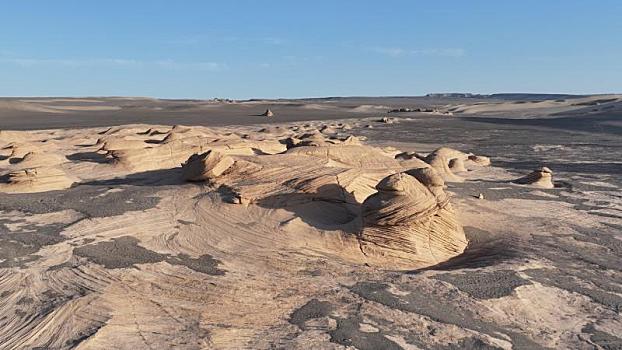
(419, 110)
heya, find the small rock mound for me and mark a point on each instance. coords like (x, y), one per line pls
(542, 178)
(439, 160)
(201, 167)
(30, 180)
(430, 178)
(387, 120)
(267, 113)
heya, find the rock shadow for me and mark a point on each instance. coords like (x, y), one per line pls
(160, 177)
(331, 207)
(91, 157)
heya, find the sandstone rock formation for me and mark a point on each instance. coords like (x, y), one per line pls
(39, 179)
(457, 165)
(479, 160)
(542, 178)
(201, 167)
(410, 223)
(406, 222)
(172, 153)
(439, 160)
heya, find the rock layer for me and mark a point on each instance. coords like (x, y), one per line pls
(409, 221)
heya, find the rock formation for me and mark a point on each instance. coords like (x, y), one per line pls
(439, 160)
(267, 113)
(201, 167)
(542, 178)
(479, 160)
(39, 179)
(408, 223)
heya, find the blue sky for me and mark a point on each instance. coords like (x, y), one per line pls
(243, 49)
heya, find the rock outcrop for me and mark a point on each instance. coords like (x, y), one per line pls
(479, 160)
(406, 221)
(542, 178)
(39, 179)
(439, 160)
(202, 167)
(268, 113)
(409, 224)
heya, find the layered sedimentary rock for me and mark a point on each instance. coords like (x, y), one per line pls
(300, 170)
(38, 159)
(349, 156)
(406, 221)
(439, 160)
(39, 179)
(205, 166)
(409, 223)
(172, 153)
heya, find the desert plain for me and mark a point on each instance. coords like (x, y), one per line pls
(446, 221)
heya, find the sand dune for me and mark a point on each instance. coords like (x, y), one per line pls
(532, 107)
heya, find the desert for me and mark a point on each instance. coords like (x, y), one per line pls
(487, 222)
(310, 175)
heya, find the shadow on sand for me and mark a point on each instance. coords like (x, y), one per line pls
(484, 249)
(162, 177)
(331, 207)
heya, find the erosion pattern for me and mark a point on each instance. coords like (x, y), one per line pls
(291, 236)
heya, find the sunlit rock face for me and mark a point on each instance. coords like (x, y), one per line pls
(411, 223)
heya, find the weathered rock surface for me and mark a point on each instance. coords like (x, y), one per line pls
(408, 221)
(542, 178)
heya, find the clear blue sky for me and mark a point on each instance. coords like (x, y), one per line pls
(242, 49)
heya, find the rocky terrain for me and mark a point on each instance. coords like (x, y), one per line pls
(492, 224)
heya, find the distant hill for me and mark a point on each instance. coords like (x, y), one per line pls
(506, 96)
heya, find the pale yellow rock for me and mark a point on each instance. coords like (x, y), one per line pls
(457, 165)
(407, 225)
(479, 160)
(40, 179)
(349, 156)
(439, 160)
(205, 166)
(542, 178)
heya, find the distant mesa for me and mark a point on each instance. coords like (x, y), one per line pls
(455, 95)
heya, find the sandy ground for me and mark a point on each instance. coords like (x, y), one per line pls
(124, 253)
